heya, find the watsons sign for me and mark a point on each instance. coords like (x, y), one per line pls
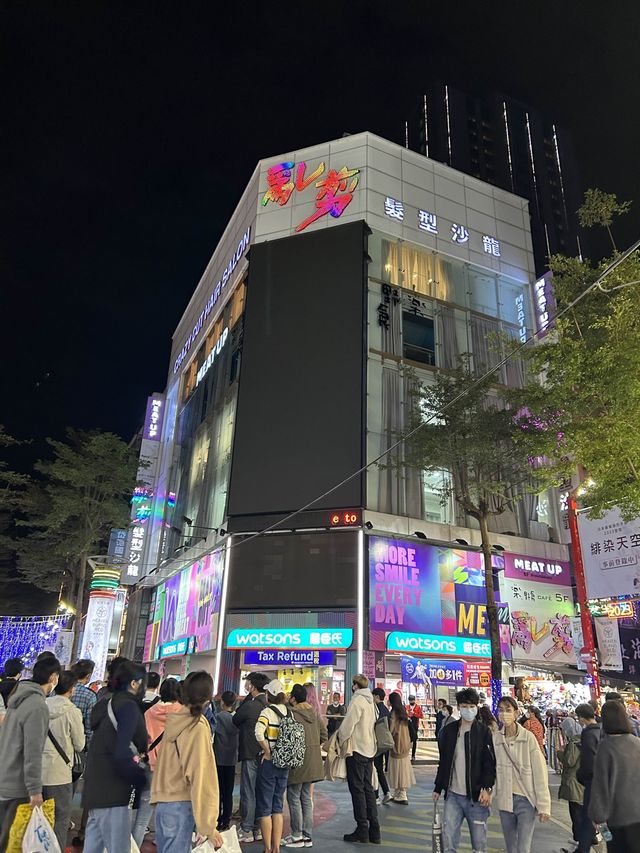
(217, 291)
(212, 356)
(399, 641)
(290, 638)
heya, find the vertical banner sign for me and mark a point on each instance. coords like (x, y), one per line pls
(369, 665)
(381, 668)
(578, 641)
(97, 630)
(207, 600)
(62, 648)
(611, 554)
(608, 643)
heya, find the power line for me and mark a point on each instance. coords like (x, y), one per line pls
(436, 414)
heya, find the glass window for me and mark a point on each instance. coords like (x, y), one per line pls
(433, 485)
(483, 295)
(418, 337)
(514, 303)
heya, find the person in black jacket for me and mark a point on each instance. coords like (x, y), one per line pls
(10, 677)
(589, 742)
(378, 762)
(245, 718)
(466, 773)
(112, 776)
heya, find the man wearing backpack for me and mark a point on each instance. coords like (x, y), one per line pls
(359, 726)
(272, 779)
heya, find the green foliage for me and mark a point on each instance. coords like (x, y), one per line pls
(82, 493)
(599, 208)
(492, 455)
(12, 483)
(591, 369)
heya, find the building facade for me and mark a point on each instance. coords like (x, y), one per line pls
(511, 145)
(343, 264)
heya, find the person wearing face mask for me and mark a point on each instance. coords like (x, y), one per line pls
(522, 785)
(415, 715)
(466, 773)
(22, 741)
(112, 775)
(335, 714)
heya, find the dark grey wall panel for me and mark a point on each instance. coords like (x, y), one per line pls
(299, 422)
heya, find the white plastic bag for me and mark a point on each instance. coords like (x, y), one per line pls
(231, 843)
(39, 836)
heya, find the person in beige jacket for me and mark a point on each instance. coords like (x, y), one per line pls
(522, 781)
(67, 727)
(185, 782)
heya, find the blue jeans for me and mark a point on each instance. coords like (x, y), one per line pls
(174, 827)
(108, 830)
(300, 809)
(456, 809)
(248, 776)
(586, 832)
(518, 825)
(141, 817)
(270, 788)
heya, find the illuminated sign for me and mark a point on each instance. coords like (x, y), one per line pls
(490, 245)
(217, 291)
(544, 303)
(202, 372)
(612, 609)
(289, 657)
(344, 518)
(334, 190)
(459, 233)
(399, 641)
(519, 566)
(173, 648)
(290, 638)
(153, 418)
(522, 323)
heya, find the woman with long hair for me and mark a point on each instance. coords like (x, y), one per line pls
(522, 784)
(312, 698)
(533, 722)
(185, 781)
(401, 775)
(271, 783)
(614, 790)
(485, 716)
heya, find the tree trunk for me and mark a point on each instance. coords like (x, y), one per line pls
(492, 613)
(79, 605)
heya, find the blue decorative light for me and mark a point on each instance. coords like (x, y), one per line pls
(26, 636)
(496, 694)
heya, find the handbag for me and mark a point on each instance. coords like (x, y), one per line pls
(384, 738)
(230, 843)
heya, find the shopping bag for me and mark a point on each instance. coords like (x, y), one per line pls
(20, 822)
(39, 836)
(231, 843)
(436, 832)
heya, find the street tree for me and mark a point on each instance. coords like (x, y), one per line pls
(492, 453)
(599, 208)
(81, 493)
(590, 363)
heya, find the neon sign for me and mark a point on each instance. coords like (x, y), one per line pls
(334, 190)
(290, 638)
(399, 641)
(211, 357)
(344, 518)
(237, 255)
(153, 418)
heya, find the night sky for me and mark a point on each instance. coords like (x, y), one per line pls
(129, 130)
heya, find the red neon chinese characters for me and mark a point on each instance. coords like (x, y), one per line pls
(328, 200)
(280, 184)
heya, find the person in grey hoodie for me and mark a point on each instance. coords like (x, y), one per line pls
(359, 726)
(22, 739)
(614, 789)
(67, 729)
(225, 747)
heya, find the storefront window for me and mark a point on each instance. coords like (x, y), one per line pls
(483, 295)
(418, 336)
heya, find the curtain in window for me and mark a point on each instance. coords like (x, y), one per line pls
(449, 278)
(390, 480)
(515, 369)
(447, 338)
(486, 355)
(392, 337)
(418, 270)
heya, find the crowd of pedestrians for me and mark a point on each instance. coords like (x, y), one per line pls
(161, 756)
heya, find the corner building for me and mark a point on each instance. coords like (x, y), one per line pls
(342, 264)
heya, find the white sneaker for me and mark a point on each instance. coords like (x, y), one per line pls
(379, 801)
(387, 798)
(297, 842)
(288, 839)
(245, 837)
(308, 842)
(257, 835)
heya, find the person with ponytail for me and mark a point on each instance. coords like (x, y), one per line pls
(185, 782)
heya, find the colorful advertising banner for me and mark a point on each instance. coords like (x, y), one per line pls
(611, 554)
(416, 588)
(422, 670)
(541, 614)
(97, 629)
(608, 643)
(206, 604)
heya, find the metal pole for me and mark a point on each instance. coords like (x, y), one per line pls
(581, 589)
